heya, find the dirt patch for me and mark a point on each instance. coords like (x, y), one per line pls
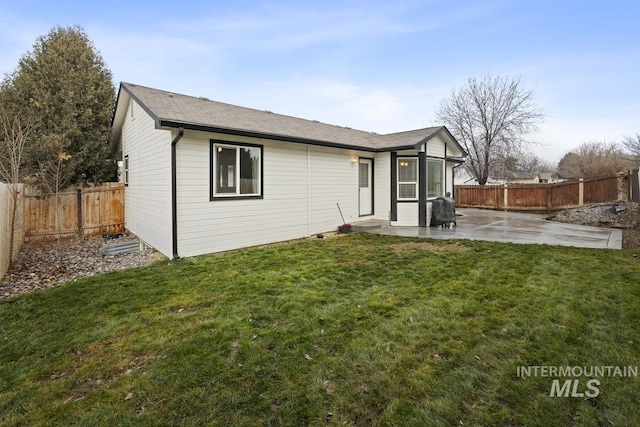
(621, 215)
(428, 246)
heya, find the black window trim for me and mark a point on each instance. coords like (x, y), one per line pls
(125, 170)
(212, 196)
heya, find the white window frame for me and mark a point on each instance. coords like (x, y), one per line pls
(416, 182)
(213, 178)
(442, 178)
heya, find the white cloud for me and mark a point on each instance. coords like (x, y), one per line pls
(375, 106)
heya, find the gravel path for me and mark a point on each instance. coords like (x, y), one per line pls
(46, 264)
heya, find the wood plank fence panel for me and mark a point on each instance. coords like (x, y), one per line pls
(526, 196)
(480, 195)
(564, 195)
(601, 190)
(83, 211)
(103, 209)
(543, 197)
(6, 211)
(40, 215)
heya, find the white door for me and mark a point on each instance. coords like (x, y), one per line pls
(365, 184)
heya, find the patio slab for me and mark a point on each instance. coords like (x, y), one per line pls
(513, 227)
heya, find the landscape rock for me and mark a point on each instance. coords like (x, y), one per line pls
(621, 215)
(45, 264)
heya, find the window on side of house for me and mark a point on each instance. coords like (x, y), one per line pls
(236, 170)
(435, 178)
(125, 171)
(407, 178)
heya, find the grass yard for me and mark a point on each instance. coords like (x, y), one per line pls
(360, 330)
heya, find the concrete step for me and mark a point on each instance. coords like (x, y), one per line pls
(369, 224)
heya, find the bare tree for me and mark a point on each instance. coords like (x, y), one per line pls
(519, 165)
(14, 133)
(56, 169)
(632, 144)
(594, 159)
(490, 116)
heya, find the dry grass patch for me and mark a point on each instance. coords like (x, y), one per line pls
(428, 246)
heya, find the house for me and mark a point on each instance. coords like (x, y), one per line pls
(539, 178)
(203, 176)
(463, 177)
(548, 178)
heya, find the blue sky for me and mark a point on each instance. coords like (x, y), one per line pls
(380, 66)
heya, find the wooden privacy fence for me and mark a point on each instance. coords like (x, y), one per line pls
(6, 224)
(543, 197)
(82, 212)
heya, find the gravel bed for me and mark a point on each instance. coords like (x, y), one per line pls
(45, 264)
(622, 215)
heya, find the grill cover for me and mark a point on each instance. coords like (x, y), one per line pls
(443, 212)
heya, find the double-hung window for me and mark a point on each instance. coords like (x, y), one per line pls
(407, 178)
(435, 178)
(236, 170)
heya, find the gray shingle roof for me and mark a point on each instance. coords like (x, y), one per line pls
(173, 110)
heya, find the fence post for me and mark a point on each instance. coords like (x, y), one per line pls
(581, 192)
(79, 205)
(506, 197)
(623, 192)
(634, 185)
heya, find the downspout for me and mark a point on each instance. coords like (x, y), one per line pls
(174, 191)
(445, 172)
(453, 179)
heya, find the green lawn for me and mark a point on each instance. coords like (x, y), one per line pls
(357, 330)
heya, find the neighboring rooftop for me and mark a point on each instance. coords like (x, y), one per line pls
(175, 110)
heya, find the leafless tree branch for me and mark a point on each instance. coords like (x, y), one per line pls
(490, 116)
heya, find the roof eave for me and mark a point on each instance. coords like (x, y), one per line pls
(435, 133)
(117, 119)
(260, 135)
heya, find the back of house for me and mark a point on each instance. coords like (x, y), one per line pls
(203, 176)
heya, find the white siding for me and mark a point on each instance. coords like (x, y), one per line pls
(148, 195)
(436, 147)
(334, 179)
(407, 215)
(453, 151)
(382, 186)
(302, 185)
(449, 174)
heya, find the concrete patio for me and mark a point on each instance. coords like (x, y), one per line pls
(500, 226)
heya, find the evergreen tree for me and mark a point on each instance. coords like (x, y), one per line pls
(65, 88)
